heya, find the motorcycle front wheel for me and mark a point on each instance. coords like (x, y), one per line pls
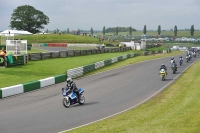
(163, 77)
(66, 103)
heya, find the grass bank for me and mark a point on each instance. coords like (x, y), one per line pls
(36, 70)
(175, 110)
(56, 38)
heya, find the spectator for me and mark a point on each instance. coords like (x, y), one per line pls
(17, 50)
(120, 45)
(2, 51)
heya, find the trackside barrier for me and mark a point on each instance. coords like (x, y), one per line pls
(70, 53)
(77, 72)
(30, 86)
(47, 81)
(12, 90)
(73, 73)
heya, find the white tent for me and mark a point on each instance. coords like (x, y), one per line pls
(14, 32)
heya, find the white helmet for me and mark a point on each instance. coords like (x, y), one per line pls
(69, 80)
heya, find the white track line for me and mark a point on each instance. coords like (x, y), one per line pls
(134, 105)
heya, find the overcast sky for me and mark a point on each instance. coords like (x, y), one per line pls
(84, 14)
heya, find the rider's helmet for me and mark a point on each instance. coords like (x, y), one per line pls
(162, 64)
(69, 80)
(172, 57)
(180, 56)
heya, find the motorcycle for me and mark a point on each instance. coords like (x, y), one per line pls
(70, 98)
(174, 67)
(187, 59)
(163, 74)
(180, 61)
(194, 54)
(190, 57)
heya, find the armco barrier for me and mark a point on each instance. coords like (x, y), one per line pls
(94, 51)
(55, 54)
(71, 53)
(30, 86)
(83, 52)
(46, 55)
(63, 54)
(77, 52)
(89, 52)
(35, 56)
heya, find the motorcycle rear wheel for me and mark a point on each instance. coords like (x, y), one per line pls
(82, 100)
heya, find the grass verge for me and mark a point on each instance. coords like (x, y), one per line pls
(174, 110)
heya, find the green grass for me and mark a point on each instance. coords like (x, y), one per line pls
(36, 70)
(55, 38)
(175, 110)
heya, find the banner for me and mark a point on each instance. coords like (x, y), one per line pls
(57, 44)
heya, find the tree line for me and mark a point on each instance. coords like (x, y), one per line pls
(30, 19)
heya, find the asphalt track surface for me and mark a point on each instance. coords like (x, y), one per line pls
(106, 93)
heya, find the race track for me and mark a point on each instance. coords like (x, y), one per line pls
(107, 93)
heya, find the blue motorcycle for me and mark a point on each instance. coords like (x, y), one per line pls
(70, 98)
(180, 61)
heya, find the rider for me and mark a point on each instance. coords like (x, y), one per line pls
(172, 59)
(180, 58)
(174, 62)
(163, 67)
(72, 86)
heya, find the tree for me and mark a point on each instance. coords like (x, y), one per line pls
(104, 31)
(130, 30)
(117, 30)
(91, 31)
(159, 30)
(78, 32)
(175, 30)
(28, 18)
(192, 30)
(67, 30)
(145, 29)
